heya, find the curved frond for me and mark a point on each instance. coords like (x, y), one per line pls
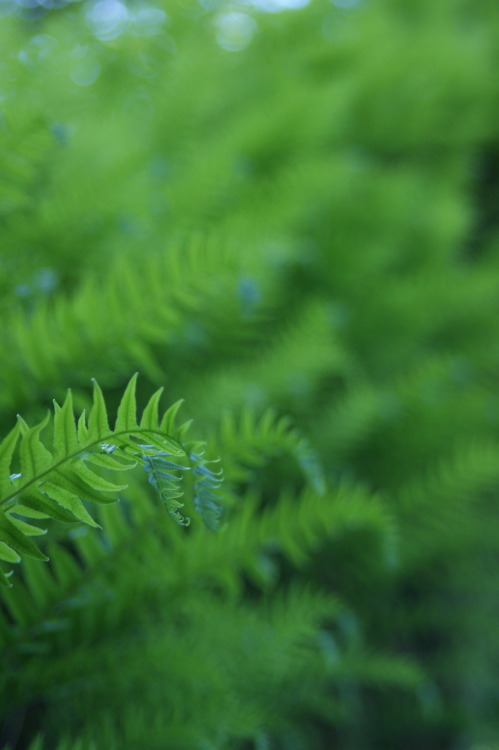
(56, 483)
(250, 441)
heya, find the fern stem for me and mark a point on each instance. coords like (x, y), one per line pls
(74, 455)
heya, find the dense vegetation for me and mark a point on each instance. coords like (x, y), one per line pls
(289, 220)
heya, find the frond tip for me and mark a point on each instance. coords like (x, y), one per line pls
(57, 482)
(164, 477)
(206, 485)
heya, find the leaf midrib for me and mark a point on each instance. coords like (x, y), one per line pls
(75, 454)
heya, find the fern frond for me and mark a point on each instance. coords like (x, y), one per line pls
(295, 528)
(50, 600)
(251, 441)
(285, 372)
(56, 483)
(352, 418)
(147, 304)
(26, 147)
(440, 506)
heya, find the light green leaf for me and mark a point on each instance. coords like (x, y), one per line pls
(26, 528)
(182, 430)
(8, 554)
(35, 458)
(7, 448)
(45, 506)
(83, 436)
(126, 421)
(168, 420)
(65, 438)
(68, 500)
(150, 413)
(24, 510)
(94, 480)
(98, 425)
(111, 462)
(69, 480)
(14, 538)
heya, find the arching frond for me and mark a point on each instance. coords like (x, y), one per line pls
(250, 440)
(55, 483)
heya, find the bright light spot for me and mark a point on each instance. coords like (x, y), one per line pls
(43, 44)
(235, 31)
(7, 7)
(87, 74)
(60, 132)
(50, 4)
(346, 3)
(107, 19)
(143, 66)
(249, 295)
(149, 21)
(23, 290)
(274, 6)
(86, 68)
(46, 280)
(254, 395)
(37, 49)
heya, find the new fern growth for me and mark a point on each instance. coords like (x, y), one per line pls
(56, 483)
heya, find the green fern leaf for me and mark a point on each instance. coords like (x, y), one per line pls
(34, 502)
(7, 448)
(65, 436)
(97, 420)
(69, 501)
(27, 528)
(83, 431)
(168, 421)
(8, 554)
(57, 485)
(126, 420)
(35, 458)
(14, 538)
(150, 414)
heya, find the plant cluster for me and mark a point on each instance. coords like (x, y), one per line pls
(288, 220)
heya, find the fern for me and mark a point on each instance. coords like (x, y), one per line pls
(349, 281)
(148, 304)
(56, 483)
(287, 371)
(250, 441)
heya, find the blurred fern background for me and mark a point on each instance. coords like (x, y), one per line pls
(287, 216)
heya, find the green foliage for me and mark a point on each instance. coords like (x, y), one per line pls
(288, 219)
(55, 484)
